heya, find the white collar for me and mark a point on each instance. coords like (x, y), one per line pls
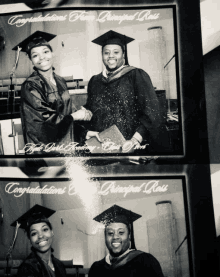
(105, 71)
(107, 258)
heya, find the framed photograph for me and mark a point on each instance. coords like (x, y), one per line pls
(147, 118)
(169, 216)
(162, 230)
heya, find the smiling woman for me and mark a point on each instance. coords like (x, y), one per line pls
(41, 238)
(47, 112)
(40, 262)
(42, 59)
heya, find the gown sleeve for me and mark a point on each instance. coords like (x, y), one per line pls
(150, 117)
(150, 266)
(93, 271)
(42, 122)
(156, 268)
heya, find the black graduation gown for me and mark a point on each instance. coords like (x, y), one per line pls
(46, 114)
(33, 266)
(129, 101)
(134, 264)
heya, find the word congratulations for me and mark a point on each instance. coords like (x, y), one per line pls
(109, 187)
(148, 188)
(12, 188)
(73, 16)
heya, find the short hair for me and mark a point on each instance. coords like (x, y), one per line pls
(29, 52)
(38, 221)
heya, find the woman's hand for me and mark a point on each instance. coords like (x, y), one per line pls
(82, 114)
(91, 134)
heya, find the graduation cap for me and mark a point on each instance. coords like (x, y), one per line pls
(112, 37)
(38, 38)
(117, 214)
(36, 214)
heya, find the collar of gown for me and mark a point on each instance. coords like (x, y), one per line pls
(105, 71)
(108, 256)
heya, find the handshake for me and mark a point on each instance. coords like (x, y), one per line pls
(82, 114)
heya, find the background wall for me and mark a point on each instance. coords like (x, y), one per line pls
(74, 51)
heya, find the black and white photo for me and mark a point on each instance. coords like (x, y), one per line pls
(70, 106)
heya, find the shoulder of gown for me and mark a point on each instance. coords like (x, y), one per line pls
(60, 79)
(98, 264)
(96, 77)
(29, 267)
(57, 261)
(101, 262)
(35, 78)
(132, 69)
(30, 258)
(149, 261)
(139, 71)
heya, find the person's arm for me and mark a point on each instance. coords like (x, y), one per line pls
(156, 270)
(89, 106)
(149, 116)
(149, 112)
(42, 123)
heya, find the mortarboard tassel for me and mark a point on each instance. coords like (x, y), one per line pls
(16, 62)
(8, 255)
(132, 232)
(126, 56)
(15, 236)
(126, 52)
(132, 237)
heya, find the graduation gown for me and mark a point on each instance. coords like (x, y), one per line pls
(128, 100)
(33, 266)
(46, 112)
(134, 264)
